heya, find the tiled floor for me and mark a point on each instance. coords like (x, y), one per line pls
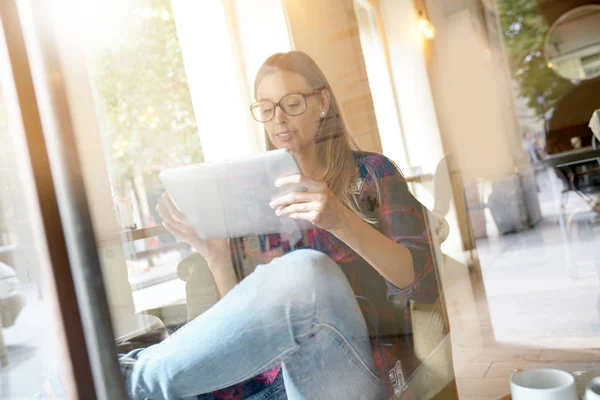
(483, 363)
(529, 301)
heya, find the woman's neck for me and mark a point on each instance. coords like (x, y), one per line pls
(309, 163)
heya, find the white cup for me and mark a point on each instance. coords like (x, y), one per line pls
(592, 389)
(543, 384)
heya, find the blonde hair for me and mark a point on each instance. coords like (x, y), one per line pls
(334, 144)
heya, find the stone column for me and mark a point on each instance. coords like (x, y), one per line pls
(327, 30)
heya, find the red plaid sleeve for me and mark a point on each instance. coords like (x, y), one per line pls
(403, 219)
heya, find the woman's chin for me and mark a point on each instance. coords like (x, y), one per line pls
(291, 145)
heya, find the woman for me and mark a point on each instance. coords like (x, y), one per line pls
(302, 323)
(308, 322)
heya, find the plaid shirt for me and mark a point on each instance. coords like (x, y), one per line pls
(400, 217)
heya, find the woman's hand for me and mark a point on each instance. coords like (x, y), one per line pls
(175, 222)
(317, 205)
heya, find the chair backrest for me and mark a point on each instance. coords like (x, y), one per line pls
(429, 323)
(442, 187)
(594, 125)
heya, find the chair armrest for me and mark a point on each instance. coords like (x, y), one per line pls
(11, 297)
(188, 264)
(200, 289)
(438, 225)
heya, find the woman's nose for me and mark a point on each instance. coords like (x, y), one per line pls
(280, 116)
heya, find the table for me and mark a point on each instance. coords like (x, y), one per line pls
(571, 157)
(143, 233)
(419, 178)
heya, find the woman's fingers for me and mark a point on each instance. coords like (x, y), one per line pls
(166, 216)
(294, 197)
(174, 230)
(183, 231)
(172, 207)
(311, 216)
(299, 208)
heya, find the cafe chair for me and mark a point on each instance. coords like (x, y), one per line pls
(11, 304)
(434, 378)
(442, 194)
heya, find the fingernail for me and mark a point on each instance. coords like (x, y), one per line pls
(277, 183)
(271, 204)
(278, 211)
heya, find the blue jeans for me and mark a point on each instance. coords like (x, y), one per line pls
(298, 311)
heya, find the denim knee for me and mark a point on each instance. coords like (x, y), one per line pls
(300, 272)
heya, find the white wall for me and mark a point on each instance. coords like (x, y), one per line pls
(260, 30)
(384, 98)
(422, 135)
(214, 82)
(417, 110)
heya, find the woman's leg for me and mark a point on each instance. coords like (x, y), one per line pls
(299, 310)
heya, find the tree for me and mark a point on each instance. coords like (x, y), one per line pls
(146, 114)
(524, 29)
(139, 81)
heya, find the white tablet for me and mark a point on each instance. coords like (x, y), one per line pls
(229, 199)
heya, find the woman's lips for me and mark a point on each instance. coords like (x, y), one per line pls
(285, 136)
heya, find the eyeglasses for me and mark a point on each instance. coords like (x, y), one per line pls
(292, 104)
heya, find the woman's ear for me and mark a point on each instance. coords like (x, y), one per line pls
(324, 102)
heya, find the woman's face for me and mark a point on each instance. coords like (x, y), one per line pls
(295, 133)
